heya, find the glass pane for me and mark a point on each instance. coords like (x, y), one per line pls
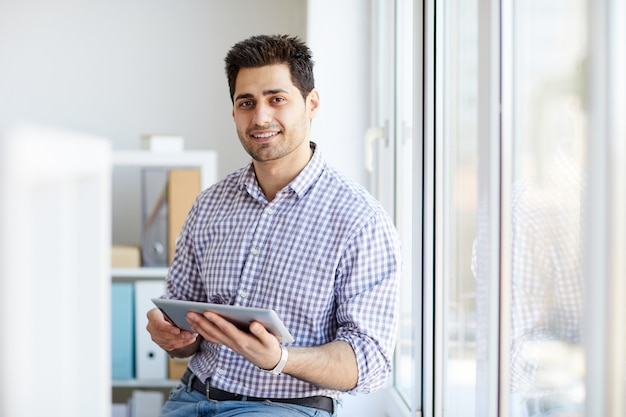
(547, 361)
(459, 203)
(406, 381)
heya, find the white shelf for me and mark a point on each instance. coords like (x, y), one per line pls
(146, 383)
(205, 160)
(139, 273)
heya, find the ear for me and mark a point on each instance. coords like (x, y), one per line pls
(313, 103)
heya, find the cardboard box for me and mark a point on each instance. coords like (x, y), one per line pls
(176, 367)
(125, 256)
(183, 187)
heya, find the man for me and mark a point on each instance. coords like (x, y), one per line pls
(289, 233)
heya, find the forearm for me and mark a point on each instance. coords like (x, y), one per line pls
(331, 366)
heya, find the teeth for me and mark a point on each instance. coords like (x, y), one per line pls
(264, 135)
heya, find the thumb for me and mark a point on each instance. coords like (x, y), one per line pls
(258, 330)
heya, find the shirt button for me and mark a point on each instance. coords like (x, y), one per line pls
(221, 371)
(269, 211)
(254, 251)
(243, 293)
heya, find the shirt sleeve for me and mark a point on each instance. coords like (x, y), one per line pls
(367, 300)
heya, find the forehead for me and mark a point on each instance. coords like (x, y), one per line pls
(258, 79)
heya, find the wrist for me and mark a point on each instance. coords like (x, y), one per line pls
(284, 355)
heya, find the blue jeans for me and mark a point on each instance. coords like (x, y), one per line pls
(551, 407)
(185, 402)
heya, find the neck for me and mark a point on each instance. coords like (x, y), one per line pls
(273, 176)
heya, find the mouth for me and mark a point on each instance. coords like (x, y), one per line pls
(264, 136)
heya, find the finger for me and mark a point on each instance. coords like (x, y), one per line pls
(270, 353)
(165, 334)
(208, 326)
(181, 343)
(158, 321)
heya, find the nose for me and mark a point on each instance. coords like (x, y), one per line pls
(262, 114)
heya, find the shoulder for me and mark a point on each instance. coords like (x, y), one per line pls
(349, 203)
(211, 200)
(349, 191)
(229, 184)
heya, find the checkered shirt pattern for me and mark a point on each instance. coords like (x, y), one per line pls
(547, 275)
(323, 254)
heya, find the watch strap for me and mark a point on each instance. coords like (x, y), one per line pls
(284, 355)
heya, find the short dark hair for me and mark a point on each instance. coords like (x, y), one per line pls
(262, 50)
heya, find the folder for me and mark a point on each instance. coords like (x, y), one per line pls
(150, 359)
(154, 249)
(119, 410)
(183, 186)
(122, 331)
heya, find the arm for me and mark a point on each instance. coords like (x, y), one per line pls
(331, 366)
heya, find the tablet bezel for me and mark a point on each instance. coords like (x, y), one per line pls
(176, 311)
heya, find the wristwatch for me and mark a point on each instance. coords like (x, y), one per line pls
(284, 354)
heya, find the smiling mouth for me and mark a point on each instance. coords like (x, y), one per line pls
(266, 135)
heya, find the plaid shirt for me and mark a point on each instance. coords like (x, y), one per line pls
(547, 281)
(323, 254)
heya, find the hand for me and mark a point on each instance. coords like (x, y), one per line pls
(168, 336)
(258, 346)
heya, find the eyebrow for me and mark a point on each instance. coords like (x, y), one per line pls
(265, 93)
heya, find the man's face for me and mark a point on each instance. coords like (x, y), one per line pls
(271, 117)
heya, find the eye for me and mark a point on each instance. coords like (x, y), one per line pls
(277, 99)
(246, 103)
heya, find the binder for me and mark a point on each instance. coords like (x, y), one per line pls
(182, 188)
(119, 410)
(122, 331)
(150, 359)
(154, 249)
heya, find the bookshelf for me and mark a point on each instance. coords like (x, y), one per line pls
(206, 161)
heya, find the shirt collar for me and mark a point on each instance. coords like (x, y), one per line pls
(300, 185)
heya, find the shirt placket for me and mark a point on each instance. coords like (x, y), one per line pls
(257, 254)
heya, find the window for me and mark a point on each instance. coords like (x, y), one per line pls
(512, 220)
(456, 139)
(547, 194)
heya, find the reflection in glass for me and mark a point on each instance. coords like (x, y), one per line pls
(547, 361)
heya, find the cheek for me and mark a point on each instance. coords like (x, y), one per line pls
(240, 122)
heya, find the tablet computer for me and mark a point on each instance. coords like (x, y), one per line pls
(176, 310)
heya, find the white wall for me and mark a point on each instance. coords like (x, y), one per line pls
(339, 35)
